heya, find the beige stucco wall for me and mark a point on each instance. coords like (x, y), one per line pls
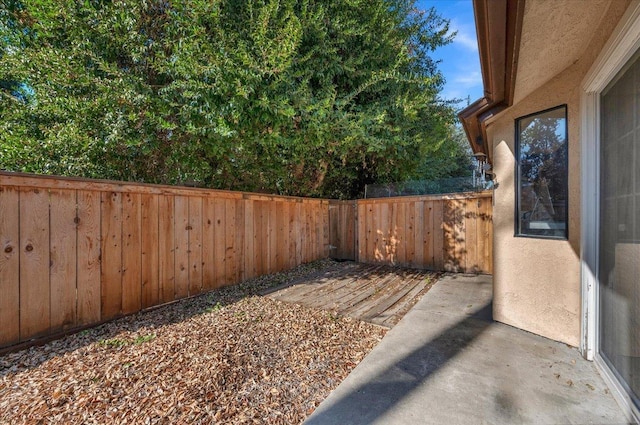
(537, 281)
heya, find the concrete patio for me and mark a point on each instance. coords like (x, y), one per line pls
(447, 362)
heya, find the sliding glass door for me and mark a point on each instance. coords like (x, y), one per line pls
(619, 256)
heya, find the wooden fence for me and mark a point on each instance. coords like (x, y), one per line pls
(450, 233)
(78, 252)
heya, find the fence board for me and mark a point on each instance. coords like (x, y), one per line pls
(195, 245)
(88, 260)
(220, 243)
(438, 238)
(278, 229)
(238, 249)
(231, 267)
(111, 264)
(410, 236)
(272, 241)
(34, 263)
(471, 235)
(182, 231)
(428, 234)
(208, 244)
(248, 255)
(167, 248)
(149, 250)
(131, 254)
(9, 266)
(418, 243)
(260, 237)
(291, 226)
(63, 252)
(298, 231)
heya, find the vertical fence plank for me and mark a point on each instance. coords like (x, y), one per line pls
(361, 234)
(410, 234)
(334, 230)
(401, 207)
(88, 280)
(325, 229)
(472, 264)
(259, 238)
(195, 245)
(286, 233)
(149, 229)
(438, 235)
(291, 219)
(451, 263)
(166, 247)
(419, 234)
(9, 266)
(351, 224)
(208, 244)
(428, 235)
(231, 267)
(239, 241)
(383, 234)
(279, 236)
(34, 263)
(182, 246)
(111, 264)
(63, 252)
(131, 254)
(220, 243)
(319, 238)
(485, 236)
(368, 233)
(249, 254)
(298, 231)
(272, 238)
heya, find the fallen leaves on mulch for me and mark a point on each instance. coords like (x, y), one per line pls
(225, 357)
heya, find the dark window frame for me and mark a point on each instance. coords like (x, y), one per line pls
(518, 180)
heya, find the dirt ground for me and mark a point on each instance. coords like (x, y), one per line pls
(229, 356)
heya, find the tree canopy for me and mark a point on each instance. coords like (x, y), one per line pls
(298, 97)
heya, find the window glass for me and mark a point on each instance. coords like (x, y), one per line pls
(542, 162)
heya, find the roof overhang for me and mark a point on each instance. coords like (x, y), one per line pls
(499, 28)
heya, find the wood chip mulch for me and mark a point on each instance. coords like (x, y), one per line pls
(229, 356)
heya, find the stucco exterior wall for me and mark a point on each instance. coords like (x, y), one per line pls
(537, 281)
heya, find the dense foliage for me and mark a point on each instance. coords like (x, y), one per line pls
(301, 97)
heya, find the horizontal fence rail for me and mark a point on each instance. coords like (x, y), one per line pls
(441, 232)
(77, 252)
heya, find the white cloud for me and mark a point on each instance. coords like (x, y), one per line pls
(462, 84)
(468, 79)
(466, 36)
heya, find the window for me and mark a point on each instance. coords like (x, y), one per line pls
(541, 174)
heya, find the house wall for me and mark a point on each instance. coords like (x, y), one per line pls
(537, 281)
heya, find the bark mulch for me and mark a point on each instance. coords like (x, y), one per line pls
(229, 356)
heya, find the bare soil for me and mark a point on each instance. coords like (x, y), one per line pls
(229, 356)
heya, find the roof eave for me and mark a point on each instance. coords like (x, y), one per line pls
(499, 27)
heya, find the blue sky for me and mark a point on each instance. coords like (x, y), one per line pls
(460, 62)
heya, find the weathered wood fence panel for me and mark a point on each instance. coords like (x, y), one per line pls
(80, 252)
(448, 232)
(342, 229)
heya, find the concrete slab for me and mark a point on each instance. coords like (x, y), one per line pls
(447, 362)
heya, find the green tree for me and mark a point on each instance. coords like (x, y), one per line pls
(299, 97)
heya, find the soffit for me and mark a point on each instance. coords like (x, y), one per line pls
(554, 36)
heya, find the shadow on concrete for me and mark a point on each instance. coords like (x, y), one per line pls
(368, 402)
